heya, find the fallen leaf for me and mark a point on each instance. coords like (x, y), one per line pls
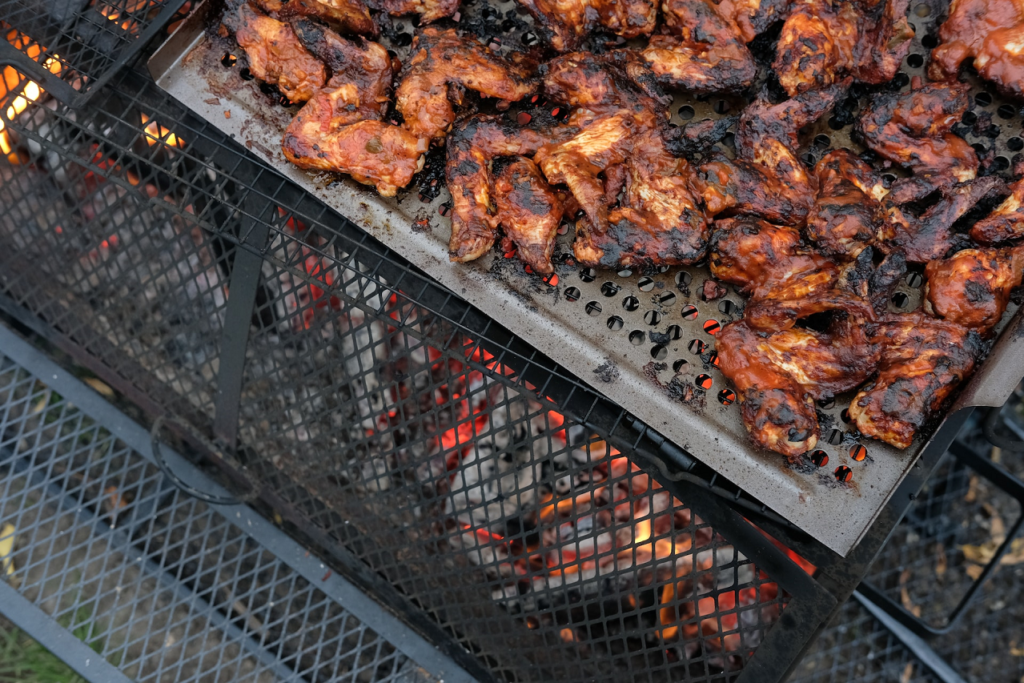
(1016, 651)
(7, 549)
(908, 604)
(996, 455)
(941, 563)
(972, 490)
(996, 527)
(100, 387)
(41, 403)
(116, 499)
(908, 673)
(974, 571)
(979, 554)
(1015, 555)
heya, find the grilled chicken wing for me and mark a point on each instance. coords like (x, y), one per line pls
(349, 16)
(913, 130)
(529, 211)
(702, 49)
(990, 31)
(930, 235)
(923, 361)
(429, 10)
(766, 178)
(472, 146)
(846, 210)
(275, 54)
(443, 60)
(778, 376)
(658, 221)
(1006, 222)
(822, 42)
(972, 287)
(339, 129)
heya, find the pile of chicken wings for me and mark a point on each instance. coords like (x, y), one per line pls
(818, 251)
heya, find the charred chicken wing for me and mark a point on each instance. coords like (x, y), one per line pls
(923, 361)
(990, 31)
(442, 62)
(1006, 222)
(429, 10)
(912, 129)
(565, 23)
(349, 16)
(275, 54)
(766, 178)
(339, 129)
(529, 211)
(702, 50)
(846, 210)
(753, 17)
(972, 287)
(822, 42)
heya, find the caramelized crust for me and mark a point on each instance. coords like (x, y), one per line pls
(429, 10)
(990, 31)
(442, 61)
(972, 287)
(529, 211)
(1006, 222)
(275, 54)
(753, 17)
(923, 361)
(846, 209)
(565, 23)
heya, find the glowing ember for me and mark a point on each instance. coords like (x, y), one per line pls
(157, 134)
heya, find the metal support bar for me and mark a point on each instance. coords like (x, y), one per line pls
(245, 280)
(920, 649)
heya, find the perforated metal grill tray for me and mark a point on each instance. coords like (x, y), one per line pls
(644, 340)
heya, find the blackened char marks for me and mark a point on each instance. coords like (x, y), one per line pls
(607, 371)
(677, 389)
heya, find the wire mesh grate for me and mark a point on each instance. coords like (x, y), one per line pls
(157, 583)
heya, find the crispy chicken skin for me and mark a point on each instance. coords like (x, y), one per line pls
(275, 54)
(429, 10)
(779, 375)
(441, 62)
(822, 41)
(529, 211)
(658, 221)
(1006, 222)
(701, 49)
(972, 287)
(990, 31)
(930, 235)
(766, 178)
(339, 129)
(472, 146)
(349, 16)
(842, 221)
(923, 361)
(912, 129)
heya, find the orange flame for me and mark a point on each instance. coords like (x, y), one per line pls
(157, 134)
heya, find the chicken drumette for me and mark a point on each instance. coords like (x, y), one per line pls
(822, 42)
(843, 220)
(428, 10)
(766, 178)
(340, 128)
(701, 49)
(565, 23)
(1006, 222)
(972, 287)
(990, 31)
(923, 360)
(442, 64)
(275, 54)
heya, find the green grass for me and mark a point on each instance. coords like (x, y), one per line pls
(23, 660)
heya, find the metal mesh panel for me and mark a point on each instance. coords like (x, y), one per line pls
(157, 583)
(472, 488)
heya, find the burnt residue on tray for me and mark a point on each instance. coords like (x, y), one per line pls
(607, 371)
(677, 388)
